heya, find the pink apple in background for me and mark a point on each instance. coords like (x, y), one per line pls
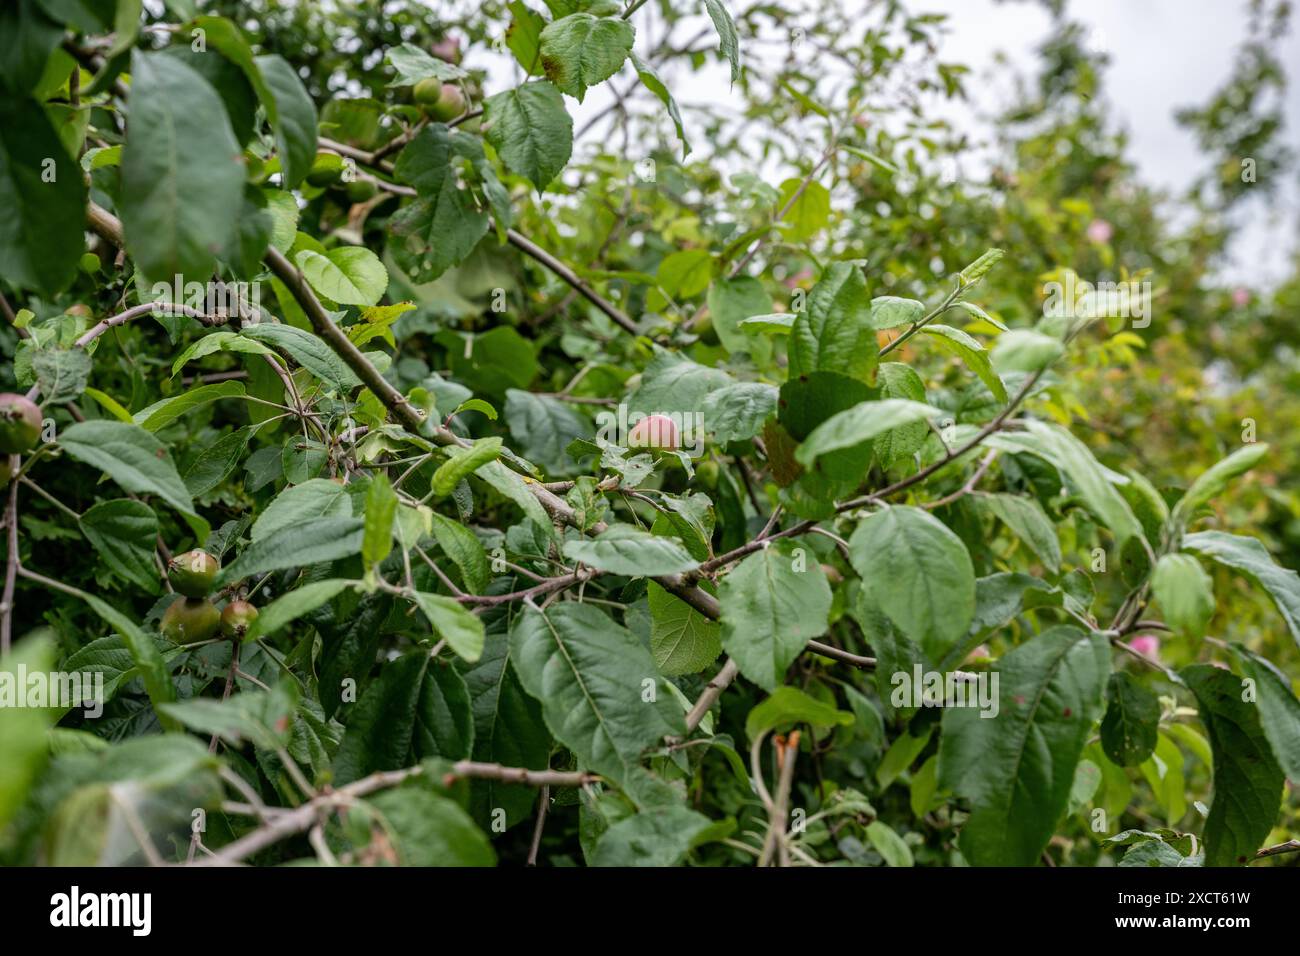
(1147, 644)
(1099, 230)
(798, 278)
(654, 431)
(1241, 297)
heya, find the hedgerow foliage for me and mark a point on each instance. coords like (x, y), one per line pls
(911, 562)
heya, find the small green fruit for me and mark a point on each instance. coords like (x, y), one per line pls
(427, 91)
(193, 573)
(449, 105)
(20, 424)
(236, 618)
(707, 472)
(190, 620)
(325, 170)
(361, 190)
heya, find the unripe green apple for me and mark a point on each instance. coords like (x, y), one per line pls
(325, 170)
(193, 573)
(20, 424)
(707, 472)
(361, 190)
(449, 105)
(427, 91)
(190, 620)
(236, 618)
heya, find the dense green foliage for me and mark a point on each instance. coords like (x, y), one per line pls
(352, 342)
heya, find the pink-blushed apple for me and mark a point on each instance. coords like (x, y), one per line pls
(1099, 231)
(654, 431)
(1147, 644)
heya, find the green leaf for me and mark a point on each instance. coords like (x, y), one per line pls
(413, 65)
(686, 273)
(462, 464)
(220, 341)
(1279, 711)
(919, 573)
(326, 539)
(161, 414)
(600, 693)
(1252, 559)
(381, 510)
(308, 350)
(302, 505)
(182, 171)
(1216, 479)
(731, 302)
(728, 42)
(980, 267)
(650, 79)
(789, 705)
(897, 380)
(43, 194)
(773, 603)
(807, 206)
(294, 604)
(1129, 729)
(661, 836)
(451, 622)
(217, 461)
(61, 374)
(508, 729)
(23, 750)
(1017, 769)
(970, 352)
(1185, 593)
(861, 423)
(349, 275)
(902, 753)
(427, 829)
(627, 550)
(889, 844)
(543, 427)
(133, 458)
(1247, 780)
(260, 717)
(531, 130)
(835, 334)
(465, 550)
(445, 222)
(737, 412)
(580, 50)
(418, 707)
(682, 640)
(125, 532)
(524, 36)
(889, 311)
(671, 383)
(148, 659)
(293, 117)
(1024, 350)
(1028, 522)
(110, 405)
(1085, 474)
